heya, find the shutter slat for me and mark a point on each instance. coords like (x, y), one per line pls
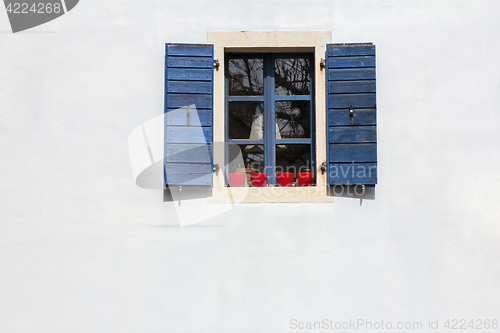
(340, 101)
(345, 174)
(189, 179)
(191, 86)
(183, 153)
(201, 101)
(360, 117)
(345, 87)
(189, 74)
(349, 153)
(195, 169)
(353, 134)
(352, 137)
(190, 62)
(200, 50)
(350, 49)
(185, 134)
(179, 117)
(346, 62)
(188, 114)
(345, 74)
(188, 174)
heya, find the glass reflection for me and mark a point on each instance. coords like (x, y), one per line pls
(245, 120)
(293, 119)
(293, 158)
(246, 77)
(292, 76)
(252, 157)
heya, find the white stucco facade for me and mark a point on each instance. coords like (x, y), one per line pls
(83, 249)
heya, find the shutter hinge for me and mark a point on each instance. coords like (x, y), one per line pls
(216, 168)
(216, 64)
(322, 63)
(323, 167)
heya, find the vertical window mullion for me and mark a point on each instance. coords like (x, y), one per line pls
(226, 119)
(270, 119)
(312, 116)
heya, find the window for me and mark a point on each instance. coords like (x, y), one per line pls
(270, 113)
(285, 100)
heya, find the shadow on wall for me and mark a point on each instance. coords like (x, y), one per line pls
(149, 166)
(177, 193)
(173, 193)
(366, 192)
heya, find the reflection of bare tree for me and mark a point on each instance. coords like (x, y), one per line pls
(292, 76)
(241, 118)
(293, 118)
(295, 158)
(246, 76)
(255, 162)
(253, 157)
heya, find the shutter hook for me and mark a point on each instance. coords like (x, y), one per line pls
(351, 115)
(216, 64)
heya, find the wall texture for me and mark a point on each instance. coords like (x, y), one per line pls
(83, 249)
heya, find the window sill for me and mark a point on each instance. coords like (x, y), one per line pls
(270, 195)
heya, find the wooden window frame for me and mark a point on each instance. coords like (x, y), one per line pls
(269, 99)
(273, 42)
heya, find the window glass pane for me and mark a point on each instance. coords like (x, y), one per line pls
(292, 76)
(246, 120)
(293, 119)
(245, 158)
(293, 158)
(246, 76)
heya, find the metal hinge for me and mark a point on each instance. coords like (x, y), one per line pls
(323, 167)
(322, 63)
(216, 168)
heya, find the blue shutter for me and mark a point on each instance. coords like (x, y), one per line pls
(188, 114)
(352, 135)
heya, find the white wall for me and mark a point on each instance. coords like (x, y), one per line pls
(83, 249)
